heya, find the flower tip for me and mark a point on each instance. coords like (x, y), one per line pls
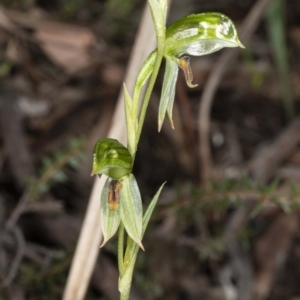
(241, 45)
(159, 126)
(103, 243)
(191, 85)
(141, 245)
(172, 124)
(94, 172)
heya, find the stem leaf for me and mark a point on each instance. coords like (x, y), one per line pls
(151, 207)
(132, 249)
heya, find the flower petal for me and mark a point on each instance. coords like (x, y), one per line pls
(184, 64)
(168, 91)
(109, 212)
(131, 209)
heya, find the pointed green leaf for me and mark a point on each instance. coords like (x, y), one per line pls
(131, 209)
(257, 209)
(146, 69)
(294, 190)
(109, 212)
(272, 187)
(142, 77)
(150, 208)
(168, 91)
(111, 158)
(285, 205)
(132, 248)
(200, 34)
(275, 21)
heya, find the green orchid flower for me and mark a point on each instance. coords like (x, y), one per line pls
(120, 199)
(195, 35)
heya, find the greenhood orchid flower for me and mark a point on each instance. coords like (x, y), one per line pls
(196, 35)
(111, 158)
(120, 199)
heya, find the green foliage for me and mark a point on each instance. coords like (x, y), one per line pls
(5, 68)
(118, 17)
(47, 284)
(226, 192)
(119, 7)
(132, 249)
(214, 203)
(52, 167)
(275, 26)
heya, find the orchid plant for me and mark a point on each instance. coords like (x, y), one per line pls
(121, 202)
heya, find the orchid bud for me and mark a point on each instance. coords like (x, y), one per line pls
(111, 158)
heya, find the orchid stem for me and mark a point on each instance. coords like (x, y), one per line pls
(158, 60)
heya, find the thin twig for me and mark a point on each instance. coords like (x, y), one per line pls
(263, 165)
(19, 209)
(21, 244)
(249, 25)
(268, 201)
(239, 256)
(46, 177)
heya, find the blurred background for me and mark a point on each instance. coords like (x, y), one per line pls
(226, 226)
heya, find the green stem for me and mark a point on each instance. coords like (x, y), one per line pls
(126, 267)
(132, 247)
(124, 296)
(158, 60)
(143, 75)
(121, 249)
